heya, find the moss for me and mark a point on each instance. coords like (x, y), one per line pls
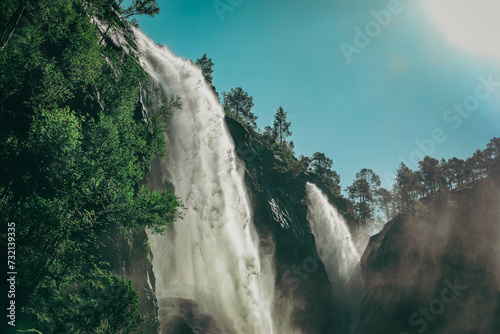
(147, 248)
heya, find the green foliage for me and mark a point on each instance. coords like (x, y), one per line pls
(238, 105)
(436, 178)
(88, 302)
(269, 135)
(409, 188)
(385, 203)
(75, 145)
(430, 174)
(141, 7)
(206, 65)
(281, 126)
(363, 193)
(321, 165)
(420, 209)
(287, 161)
(493, 156)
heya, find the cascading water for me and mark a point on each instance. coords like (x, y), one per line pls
(212, 257)
(333, 240)
(339, 256)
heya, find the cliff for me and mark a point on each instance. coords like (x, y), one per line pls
(130, 256)
(280, 218)
(437, 270)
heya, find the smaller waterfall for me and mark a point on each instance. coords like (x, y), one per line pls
(333, 240)
(339, 256)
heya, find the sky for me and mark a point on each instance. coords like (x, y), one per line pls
(369, 83)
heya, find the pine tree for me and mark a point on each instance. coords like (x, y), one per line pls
(321, 165)
(429, 174)
(141, 7)
(239, 105)
(384, 201)
(281, 126)
(408, 187)
(206, 65)
(362, 192)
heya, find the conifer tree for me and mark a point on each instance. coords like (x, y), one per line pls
(206, 65)
(281, 126)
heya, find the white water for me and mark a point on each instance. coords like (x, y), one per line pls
(333, 240)
(212, 257)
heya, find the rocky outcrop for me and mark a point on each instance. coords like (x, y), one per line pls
(438, 270)
(189, 319)
(280, 218)
(130, 256)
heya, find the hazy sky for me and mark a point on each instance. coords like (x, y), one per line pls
(363, 99)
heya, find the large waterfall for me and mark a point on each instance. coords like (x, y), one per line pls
(209, 269)
(212, 257)
(333, 240)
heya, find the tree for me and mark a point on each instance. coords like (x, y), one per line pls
(321, 165)
(269, 135)
(384, 200)
(445, 175)
(140, 7)
(469, 171)
(479, 161)
(408, 187)
(362, 192)
(457, 171)
(493, 156)
(73, 157)
(429, 173)
(206, 65)
(239, 105)
(281, 126)
(305, 161)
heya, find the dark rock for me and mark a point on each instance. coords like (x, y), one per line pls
(186, 318)
(453, 240)
(280, 218)
(129, 256)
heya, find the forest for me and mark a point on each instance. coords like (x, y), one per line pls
(74, 149)
(371, 204)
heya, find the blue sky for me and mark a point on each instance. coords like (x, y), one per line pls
(364, 114)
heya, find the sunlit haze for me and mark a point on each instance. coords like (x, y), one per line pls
(472, 24)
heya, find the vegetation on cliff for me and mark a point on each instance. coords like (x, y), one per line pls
(75, 145)
(370, 204)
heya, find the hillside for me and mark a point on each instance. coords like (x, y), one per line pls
(411, 267)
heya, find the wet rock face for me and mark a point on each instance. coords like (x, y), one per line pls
(129, 256)
(437, 271)
(186, 318)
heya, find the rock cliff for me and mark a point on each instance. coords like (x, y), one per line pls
(437, 270)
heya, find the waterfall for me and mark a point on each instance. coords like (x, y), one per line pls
(339, 256)
(333, 240)
(211, 258)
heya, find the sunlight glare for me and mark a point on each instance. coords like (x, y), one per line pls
(472, 24)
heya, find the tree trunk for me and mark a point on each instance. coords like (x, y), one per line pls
(14, 29)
